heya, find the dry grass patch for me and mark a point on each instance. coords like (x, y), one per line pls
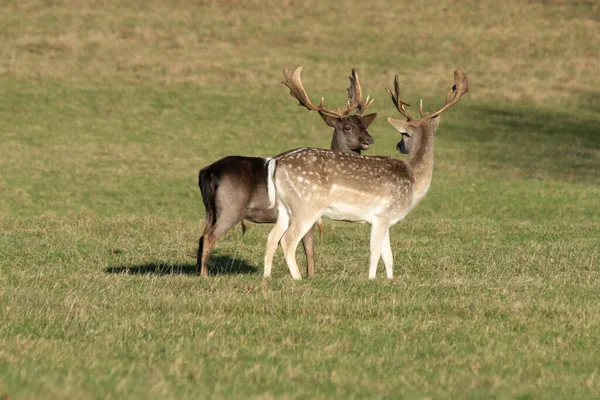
(522, 51)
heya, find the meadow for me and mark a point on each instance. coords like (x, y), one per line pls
(109, 109)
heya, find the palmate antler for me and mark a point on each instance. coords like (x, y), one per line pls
(355, 102)
(461, 86)
(355, 95)
(398, 102)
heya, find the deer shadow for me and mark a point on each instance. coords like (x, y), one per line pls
(219, 265)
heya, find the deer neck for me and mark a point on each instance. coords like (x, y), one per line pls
(339, 144)
(420, 161)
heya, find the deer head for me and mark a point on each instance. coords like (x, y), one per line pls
(350, 130)
(415, 131)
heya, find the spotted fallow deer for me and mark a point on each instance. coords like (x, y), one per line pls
(306, 184)
(234, 188)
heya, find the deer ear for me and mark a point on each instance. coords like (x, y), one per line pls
(368, 119)
(401, 125)
(329, 120)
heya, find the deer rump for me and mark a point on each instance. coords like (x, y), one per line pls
(236, 185)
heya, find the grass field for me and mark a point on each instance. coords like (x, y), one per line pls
(108, 110)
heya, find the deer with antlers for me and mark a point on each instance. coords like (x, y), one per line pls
(306, 184)
(234, 188)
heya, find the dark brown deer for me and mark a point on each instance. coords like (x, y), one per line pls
(234, 188)
(309, 183)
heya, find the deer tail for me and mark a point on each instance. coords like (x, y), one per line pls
(208, 183)
(270, 181)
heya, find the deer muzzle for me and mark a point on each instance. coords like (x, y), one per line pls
(364, 145)
(402, 147)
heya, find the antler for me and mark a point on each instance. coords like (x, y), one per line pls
(461, 86)
(398, 102)
(355, 95)
(294, 83)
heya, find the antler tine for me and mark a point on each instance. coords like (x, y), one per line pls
(461, 86)
(397, 100)
(294, 83)
(355, 101)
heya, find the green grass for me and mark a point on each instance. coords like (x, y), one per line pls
(108, 111)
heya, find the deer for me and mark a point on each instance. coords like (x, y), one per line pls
(234, 188)
(306, 184)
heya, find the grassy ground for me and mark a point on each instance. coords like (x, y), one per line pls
(107, 111)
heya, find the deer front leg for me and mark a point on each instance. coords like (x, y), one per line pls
(378, 230)
(283, 221)
(386, 254)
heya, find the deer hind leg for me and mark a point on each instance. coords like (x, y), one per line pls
(204, 251)
(308, 241)
(283, 221)
(199, 268)
(378, 230)
(299, 227)
(386, 255)
(225, 220)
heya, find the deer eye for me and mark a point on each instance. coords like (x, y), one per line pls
(347, 128)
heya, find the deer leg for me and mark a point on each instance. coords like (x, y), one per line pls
(386, 255)
(201, 259)
(378, 230)
(299, 226)
(204, 249)
(199, 255)
(308, 241)
(223, 224)
(283, 221)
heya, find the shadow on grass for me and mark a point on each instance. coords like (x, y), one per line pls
(536, 142)
(219, 265)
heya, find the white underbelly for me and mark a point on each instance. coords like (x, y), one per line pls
(349, 212)
(354, 205)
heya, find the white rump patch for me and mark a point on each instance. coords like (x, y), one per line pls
(270, 181)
